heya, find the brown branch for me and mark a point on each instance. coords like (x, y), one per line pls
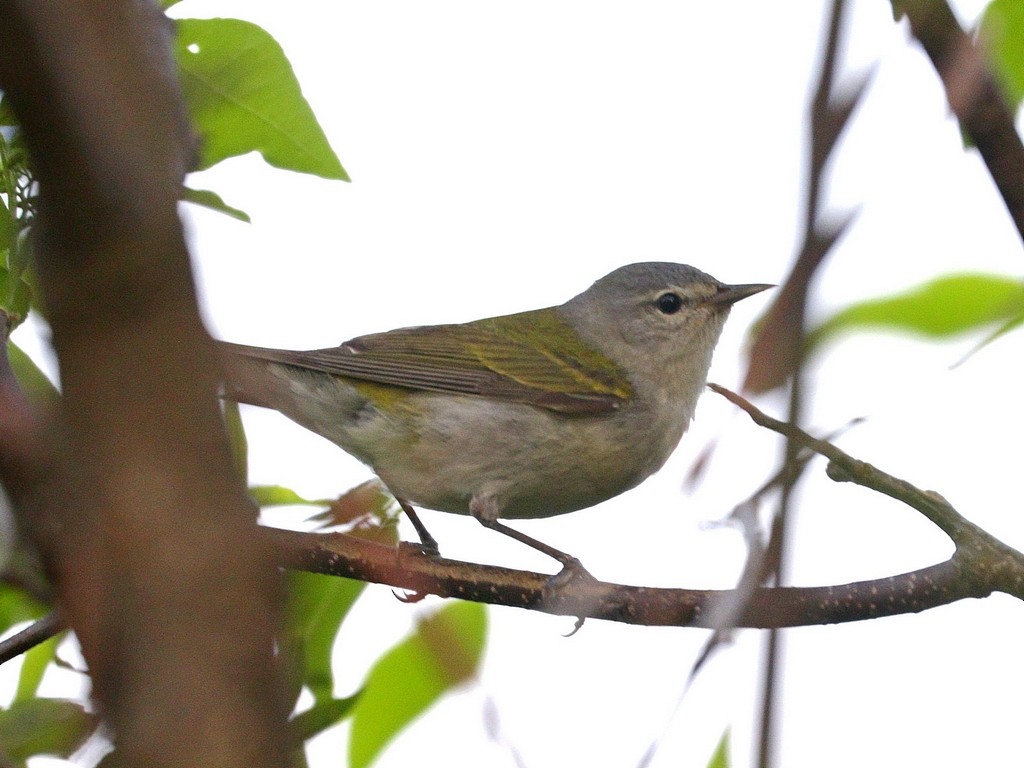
(154, 553)
(408, 568)
(36, 633)
(777, 353)
(778, 344)
(973, 96)
(984, 561)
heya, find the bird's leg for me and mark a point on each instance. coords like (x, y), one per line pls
(485, 510)
(428, 542)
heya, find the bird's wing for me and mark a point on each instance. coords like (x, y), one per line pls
(537, 360)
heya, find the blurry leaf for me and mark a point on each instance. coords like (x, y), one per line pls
(1002, 43)
(33, 667)
(943, 307)
(366, 511)
(8, 230)
(367, 500)
(243, 97)
(15, 296)
(16, 606)
(720, 758)
(31, 379)
(21, 259)
(320, 717)
(1005, 328)
(43, 727)
(7, 117)
(236, 438)
(279, 496)
(214, 202)
(444, 651)
(317, 605)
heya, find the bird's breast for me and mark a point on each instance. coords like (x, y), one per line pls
(439, 451)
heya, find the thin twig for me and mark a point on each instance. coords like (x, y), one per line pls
(983, 558)
(778, 351)
(35, 634)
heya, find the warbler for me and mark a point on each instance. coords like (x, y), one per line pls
(526, 415)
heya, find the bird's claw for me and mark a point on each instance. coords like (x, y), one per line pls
(409, 597)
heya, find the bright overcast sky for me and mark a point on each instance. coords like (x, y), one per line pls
(504, 156)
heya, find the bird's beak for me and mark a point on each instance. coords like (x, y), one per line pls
(729, 294)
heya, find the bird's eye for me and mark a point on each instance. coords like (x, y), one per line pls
(669, 303)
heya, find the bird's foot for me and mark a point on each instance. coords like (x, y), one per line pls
(572, 572)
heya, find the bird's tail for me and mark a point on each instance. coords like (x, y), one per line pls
(247, 377)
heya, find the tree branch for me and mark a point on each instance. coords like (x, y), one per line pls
(35, 634)
(408, 568)
(154, 553)
(984, 561)
(973, 96)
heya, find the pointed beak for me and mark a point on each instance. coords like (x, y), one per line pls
(729, 294)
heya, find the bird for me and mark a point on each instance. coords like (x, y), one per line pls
(528, 415)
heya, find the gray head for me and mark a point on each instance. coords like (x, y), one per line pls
(657, 316)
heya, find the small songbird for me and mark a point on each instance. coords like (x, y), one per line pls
(520, 416)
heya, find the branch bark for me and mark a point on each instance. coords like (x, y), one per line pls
(407, 568)
(153, 546)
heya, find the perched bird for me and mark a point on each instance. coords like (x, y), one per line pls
(520, 416)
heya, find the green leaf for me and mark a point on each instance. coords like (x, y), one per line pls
(31, 379)
(243, 97)
(15, 296)
(444, 651)
(8, 231)
(43, 727)
(320, 717)
(21, 254)
(720, 758)
(1002, 37)
(279, 496)
(34, 667)
(16, 606)
(236, 438)
(7, 116)
(214, 202)
(940, 308)
(317, 605)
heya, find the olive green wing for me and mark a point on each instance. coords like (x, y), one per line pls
(535, 357)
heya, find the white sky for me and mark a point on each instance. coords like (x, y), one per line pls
(503, 157)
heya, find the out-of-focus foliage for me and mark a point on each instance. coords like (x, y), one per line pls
(43, 727)
(443, 652)
(943, 307)
(1001, 34)
(720, 758)
(214, 202)
(17, 209)
(31, 379)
